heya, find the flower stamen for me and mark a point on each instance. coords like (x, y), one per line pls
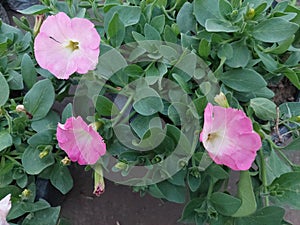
(73, 45)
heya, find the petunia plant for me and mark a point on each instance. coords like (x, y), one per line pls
(174, 98)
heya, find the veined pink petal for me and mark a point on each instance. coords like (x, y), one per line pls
(80, 141)
(229, 138)
(5, 205)
(64, 46)
(48, 58)
(85, 33)
(58, 27)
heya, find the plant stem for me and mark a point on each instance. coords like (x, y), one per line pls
(117, 119)
(8, 118)
(210, 188)
(264, 177)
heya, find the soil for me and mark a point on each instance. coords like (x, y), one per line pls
(117, 206)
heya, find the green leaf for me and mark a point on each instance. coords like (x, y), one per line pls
(182, 83)
(267, 60)
(5, 140)
(275, 167)
(129, 15)
(224, 203)
(28, 71)
(61, 178)
(169, 35)
(48, 122)
(268, 215)
(141, 124)
(39, 99)
(243, 80)
(274, 29)
(158, 23)
(193, 182)
(293, 146)
(225, 50)
(220, 25)
(264, 108)
(106, 107)
(151, 33)
(15, 80)
(185, 18)
(47, 216)
(286, 188)
(217, 171)
(189, 213)
(246, 194)
(4, 90)
(281, 47)
(35, 10)
(204, 10)
(20, 208)
(43, 137)
(241, 55)
(67, 113)
(32, 162)
(172, 192)
(293, 77)
(116, 31)
(290, 109)
(225, 8)
(204, 48)
(147, 102)
(179, 178)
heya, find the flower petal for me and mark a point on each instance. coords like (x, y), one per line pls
(5, 205)
(80, 141)
(229, 138)
(53, 57)
(53, 46)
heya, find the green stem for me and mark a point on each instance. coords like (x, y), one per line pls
(127, 104)
(264, 176)
(210, 188)
(9, 121)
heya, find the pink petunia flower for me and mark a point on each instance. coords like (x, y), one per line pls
(229, 138)
(5, 205)
(81, 142)
(64, 46)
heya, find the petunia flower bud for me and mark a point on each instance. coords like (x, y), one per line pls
(221, 100)
(66, 161)
(20, 108)
(250, 14)
(25, 194)
(38, 23)
(99, 185)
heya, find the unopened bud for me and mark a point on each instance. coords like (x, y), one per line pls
(25, 194)
(20, 108)
(221, 100)
(250, 14)
(99, 185)
(66, 161)
(43, 154)
(96, 125)
(121, 166)
(37, 25)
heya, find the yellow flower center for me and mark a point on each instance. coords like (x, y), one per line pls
(212, 136)
(73, 45)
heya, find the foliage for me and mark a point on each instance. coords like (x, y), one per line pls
(160, 62)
